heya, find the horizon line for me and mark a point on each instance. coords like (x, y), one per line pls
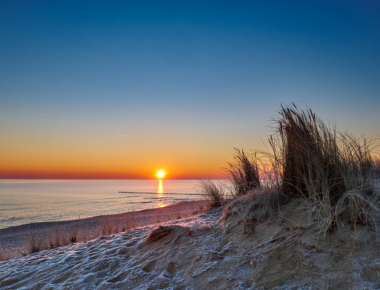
(41, 178)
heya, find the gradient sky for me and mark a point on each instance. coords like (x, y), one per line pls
(120, 89)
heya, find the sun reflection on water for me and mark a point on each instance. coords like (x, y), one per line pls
(160, 194)
(160, 189)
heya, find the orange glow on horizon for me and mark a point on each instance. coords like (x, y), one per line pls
(30, 173)
(45, 163)
(67, 174)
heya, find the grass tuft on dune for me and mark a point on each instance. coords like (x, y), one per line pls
(333, 171)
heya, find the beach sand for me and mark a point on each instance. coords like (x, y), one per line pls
(208, 251)
(15, 241)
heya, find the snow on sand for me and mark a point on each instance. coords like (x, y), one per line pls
(207, 251)
(15, 241)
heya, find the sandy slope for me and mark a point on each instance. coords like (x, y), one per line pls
(207, 252)
(15, 240)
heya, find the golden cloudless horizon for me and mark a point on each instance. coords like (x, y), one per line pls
(71, 160)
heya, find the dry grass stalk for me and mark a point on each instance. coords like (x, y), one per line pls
(35, 245)
(51, 240)
(244, 173)
(376, 167)
(55, 237)
(73, 236)
(84, 234)
(128, 224)
(212, 191)
(109, 228)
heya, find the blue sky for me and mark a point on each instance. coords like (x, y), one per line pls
(179, 76)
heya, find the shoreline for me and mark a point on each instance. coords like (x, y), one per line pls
(15, 241)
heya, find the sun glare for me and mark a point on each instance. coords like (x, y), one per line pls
(160, 174)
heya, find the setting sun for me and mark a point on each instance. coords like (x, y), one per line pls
(160, 174)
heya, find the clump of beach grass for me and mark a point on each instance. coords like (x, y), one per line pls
(376, 167)
(73, 236)
(332, 170)
(213, 191)
(244, 172)
(107, 228)
(35, 244)
(128, 224)
(116, 226)
(52, 239)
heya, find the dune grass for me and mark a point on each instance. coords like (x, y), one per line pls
(244, 172)
(55, 238)
(35, 244)
(73, 235)
(306, 158)
(213, 191)
(334, 170)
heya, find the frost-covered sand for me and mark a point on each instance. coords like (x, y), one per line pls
(207, 251)
(14, 241)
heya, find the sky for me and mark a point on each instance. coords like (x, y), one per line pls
(122, 89)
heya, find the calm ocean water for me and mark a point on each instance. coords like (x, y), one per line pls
(30, 201)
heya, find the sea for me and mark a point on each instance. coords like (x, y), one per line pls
(31, 201)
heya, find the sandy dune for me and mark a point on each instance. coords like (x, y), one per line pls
(207, 252)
